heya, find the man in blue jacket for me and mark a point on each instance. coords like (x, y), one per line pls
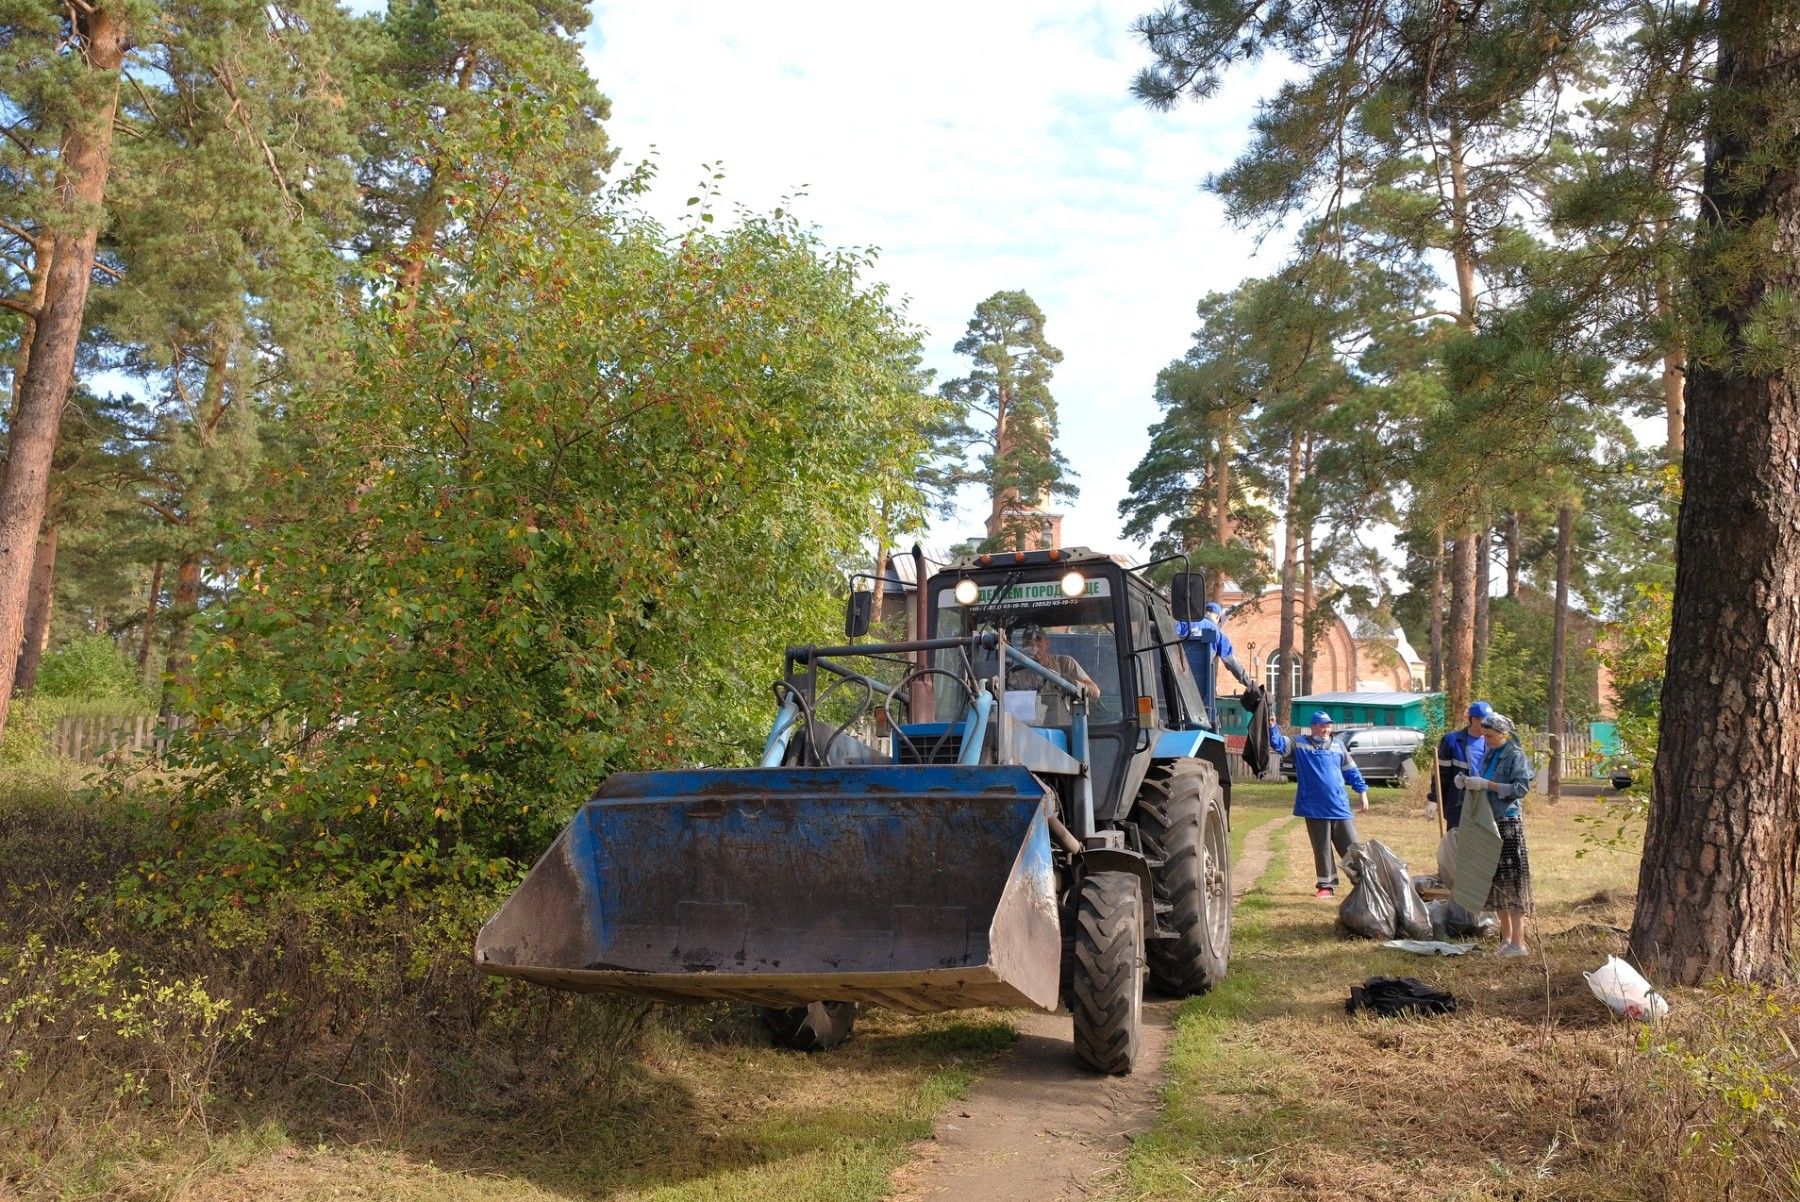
(1204, 641)
(1459, 752)
(1321, 769)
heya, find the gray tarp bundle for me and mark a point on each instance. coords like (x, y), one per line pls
(1477, 852)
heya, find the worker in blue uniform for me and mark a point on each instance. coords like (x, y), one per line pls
(1459, 752)
(1203, 642)
(1322, 768)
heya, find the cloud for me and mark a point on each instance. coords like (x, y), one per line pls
(981, 146)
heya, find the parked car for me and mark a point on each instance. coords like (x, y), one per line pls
(1384, 754)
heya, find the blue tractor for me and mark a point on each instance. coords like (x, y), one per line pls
(1025, 805)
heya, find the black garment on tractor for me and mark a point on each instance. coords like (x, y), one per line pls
(1390, 997)
(1256, 744)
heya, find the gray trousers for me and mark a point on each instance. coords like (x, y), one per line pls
(1326, 834)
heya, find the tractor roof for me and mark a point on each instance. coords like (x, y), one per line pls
(1054, 555)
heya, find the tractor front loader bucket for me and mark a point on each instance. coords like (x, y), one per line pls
(915, 887)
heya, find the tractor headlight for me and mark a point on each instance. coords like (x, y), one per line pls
(967, 592)
(1074, 584)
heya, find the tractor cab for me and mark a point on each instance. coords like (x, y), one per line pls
(1094, 613)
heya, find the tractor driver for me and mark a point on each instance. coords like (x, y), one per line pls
(1032, 640)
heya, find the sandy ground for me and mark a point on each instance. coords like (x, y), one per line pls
(1039, 1127)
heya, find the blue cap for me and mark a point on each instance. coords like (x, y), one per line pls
(1321, 718)
(1480, 709)
(1213, 607)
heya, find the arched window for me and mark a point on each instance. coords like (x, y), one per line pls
(1272, 674)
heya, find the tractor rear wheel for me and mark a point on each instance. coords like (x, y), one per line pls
(817, 1027)
(1180, 816)
(1106, 994)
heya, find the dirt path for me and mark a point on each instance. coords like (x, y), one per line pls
(1039, 1128)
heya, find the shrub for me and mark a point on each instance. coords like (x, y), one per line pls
(91, 667)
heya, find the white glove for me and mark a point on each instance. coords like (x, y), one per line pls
(1476, 782)
(1460, 781)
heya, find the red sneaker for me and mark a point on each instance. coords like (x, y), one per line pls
(1326, 891)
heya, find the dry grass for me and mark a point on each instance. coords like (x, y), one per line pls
(1532, 1090)
(381, 1065)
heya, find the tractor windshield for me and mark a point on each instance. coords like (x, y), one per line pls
(1080, 644)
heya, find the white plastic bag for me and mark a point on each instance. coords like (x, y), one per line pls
(1623, 989)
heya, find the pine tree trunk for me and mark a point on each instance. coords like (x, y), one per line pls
(38, 606)
(1484, 567)
(1459, 649)
(1716, 889)
(1284, 678)
(186, 604)
(1559, 644)
(1000, 497)
(1436, 603)
(430, 218)
(1459, 641)
(1308, 620)
(43, 249)
(1512, 556)
(82, 173)
(149, 633)
(1222, 503)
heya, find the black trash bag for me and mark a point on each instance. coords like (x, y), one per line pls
(1390, 997)
(1368, 910)
(1451, 921)
(1411, 921)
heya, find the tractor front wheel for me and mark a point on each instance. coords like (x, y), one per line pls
(1106, 994)
(1180, 816)
(817, 1027)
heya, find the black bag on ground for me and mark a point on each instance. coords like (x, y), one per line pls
(1368, 910)
(1411, 921)
(1451, 921)
(1390, 997)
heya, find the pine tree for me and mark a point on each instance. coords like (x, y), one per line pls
(1429, 116)
(57, 159)
(224, 218)
(1004, 404)
(438, 66)
(1185, 494)
(1716, 889)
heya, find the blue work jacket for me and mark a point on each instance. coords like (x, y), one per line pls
(1321, 768)
(1193, 630)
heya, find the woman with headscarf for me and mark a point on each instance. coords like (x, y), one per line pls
(1505, 776)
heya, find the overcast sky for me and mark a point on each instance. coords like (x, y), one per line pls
(981, 146)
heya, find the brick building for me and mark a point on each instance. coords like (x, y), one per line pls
(1342, 661)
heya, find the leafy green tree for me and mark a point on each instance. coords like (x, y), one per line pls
(1004, 405)
(560, 520)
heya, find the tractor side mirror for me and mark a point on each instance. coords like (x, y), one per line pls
(1187, 594)
(859, 613)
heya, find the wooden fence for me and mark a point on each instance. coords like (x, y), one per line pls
(1581, 754)
(93, 738)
